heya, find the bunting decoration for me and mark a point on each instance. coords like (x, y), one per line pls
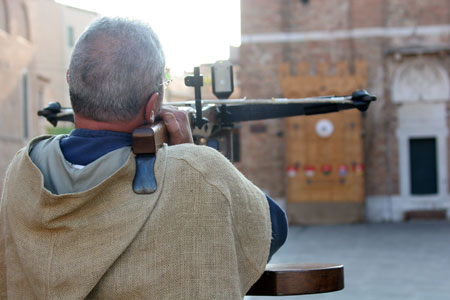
(310, 171)
(292, 171)
(343, 170)
(326, 169)
(358, 168)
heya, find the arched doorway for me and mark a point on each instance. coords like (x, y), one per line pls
(421, 90)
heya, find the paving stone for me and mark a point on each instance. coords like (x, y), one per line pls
(381, 261)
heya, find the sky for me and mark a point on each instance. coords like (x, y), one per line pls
(192, 32)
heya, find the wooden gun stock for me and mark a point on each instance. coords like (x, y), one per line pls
(147, 139)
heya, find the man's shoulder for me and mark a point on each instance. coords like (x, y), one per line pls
(194, 153)
(24, 152)
(44, 141)
(214, 167)
(21, 165)
(41, 147)
(206, 160)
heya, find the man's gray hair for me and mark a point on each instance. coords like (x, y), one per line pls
(117, 64)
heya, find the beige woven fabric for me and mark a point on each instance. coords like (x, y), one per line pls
(204, 234)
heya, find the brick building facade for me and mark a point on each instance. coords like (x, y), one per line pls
(405, 45)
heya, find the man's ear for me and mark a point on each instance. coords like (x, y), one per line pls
(152, 108)
(67, 75)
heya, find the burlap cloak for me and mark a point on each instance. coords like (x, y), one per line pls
(204, 234)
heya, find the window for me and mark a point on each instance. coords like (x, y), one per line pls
(25, 104)
(3, 16)
(23, 23)
(70, 37)
(423, 166)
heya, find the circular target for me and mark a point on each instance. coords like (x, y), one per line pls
(324, 128)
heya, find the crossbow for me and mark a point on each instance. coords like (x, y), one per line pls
(212, 121)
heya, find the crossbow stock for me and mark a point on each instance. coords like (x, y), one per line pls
(212, 121)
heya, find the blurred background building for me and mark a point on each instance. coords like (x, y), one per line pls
(390, 163)
(36, 40)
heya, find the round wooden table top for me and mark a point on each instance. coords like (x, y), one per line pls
(299, 279)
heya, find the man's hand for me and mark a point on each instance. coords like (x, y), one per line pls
(177, 125)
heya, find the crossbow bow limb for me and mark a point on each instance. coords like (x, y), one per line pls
(212, 121)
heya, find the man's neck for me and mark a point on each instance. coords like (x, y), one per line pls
(128, 126)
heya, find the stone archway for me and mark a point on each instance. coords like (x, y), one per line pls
(420, 80)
